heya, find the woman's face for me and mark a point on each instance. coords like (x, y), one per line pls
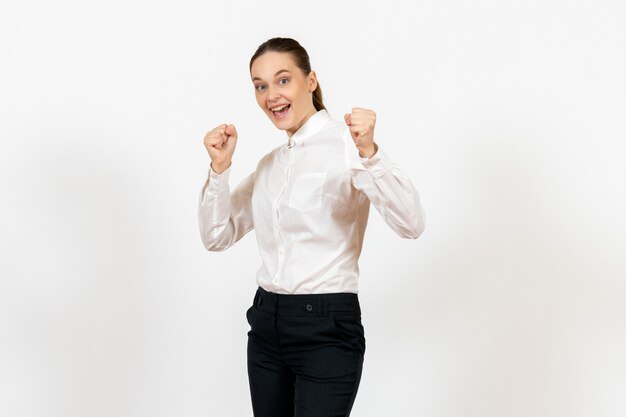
(277, 82)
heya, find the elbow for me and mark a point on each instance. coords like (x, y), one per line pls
(213, 237)
(212, 245)
(214, 248)
(416, 228)
(407, 226)
(416, 232)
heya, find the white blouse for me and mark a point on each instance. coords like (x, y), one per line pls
(309, 201)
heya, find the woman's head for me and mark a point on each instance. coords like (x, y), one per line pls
(297, 87)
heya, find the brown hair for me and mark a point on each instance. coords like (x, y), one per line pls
(299, 55)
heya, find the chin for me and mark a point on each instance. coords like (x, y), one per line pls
(278, 123)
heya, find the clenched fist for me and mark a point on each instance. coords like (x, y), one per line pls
(361, 122)
(220, 143)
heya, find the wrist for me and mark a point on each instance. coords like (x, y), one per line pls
(368, 152)
(219, 168)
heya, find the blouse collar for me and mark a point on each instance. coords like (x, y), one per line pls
(313, 125)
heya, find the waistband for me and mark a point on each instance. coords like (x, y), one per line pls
(307, 304)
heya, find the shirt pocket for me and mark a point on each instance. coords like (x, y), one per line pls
(307, 191)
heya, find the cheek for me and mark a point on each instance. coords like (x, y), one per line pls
(259, 101)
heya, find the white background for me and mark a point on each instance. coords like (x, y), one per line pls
(509, 117)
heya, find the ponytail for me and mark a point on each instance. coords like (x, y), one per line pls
(317, 98)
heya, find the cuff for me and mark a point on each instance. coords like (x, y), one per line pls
(217, 182)
(379, 164)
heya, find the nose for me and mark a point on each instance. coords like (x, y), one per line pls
(273, 94)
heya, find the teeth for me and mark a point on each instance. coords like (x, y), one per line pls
(279, 108)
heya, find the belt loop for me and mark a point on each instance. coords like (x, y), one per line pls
(257, 299)
(325, 308)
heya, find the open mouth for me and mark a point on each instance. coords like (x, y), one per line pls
(280, 111)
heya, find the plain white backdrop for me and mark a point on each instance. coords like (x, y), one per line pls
(508, 116)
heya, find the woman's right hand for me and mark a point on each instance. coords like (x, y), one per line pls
(220, 143)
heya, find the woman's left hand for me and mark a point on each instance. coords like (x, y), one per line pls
(361, 122)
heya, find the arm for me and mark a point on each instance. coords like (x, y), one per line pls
(388, 189)
(224, 217)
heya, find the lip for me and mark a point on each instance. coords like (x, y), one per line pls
(283, 116)
(277, 105)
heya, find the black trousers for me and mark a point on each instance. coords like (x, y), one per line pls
(305, 354)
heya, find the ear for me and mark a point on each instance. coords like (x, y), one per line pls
(312, 81)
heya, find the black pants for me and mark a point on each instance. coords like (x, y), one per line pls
(305, 354)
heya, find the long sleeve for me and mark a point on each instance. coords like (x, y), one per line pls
(224, 218)
(389, 190)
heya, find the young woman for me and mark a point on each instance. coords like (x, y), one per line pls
(308, 201)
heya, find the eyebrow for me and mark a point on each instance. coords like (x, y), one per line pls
(279, 71)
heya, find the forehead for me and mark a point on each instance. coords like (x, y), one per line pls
(266, 65)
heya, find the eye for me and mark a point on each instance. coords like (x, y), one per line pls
(282, 80)
(258, 87)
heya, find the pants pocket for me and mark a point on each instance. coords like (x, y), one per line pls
(250, 310)
(350, 329)
(248, 315)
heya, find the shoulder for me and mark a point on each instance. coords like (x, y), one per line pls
(333, 124)
(334, 128)
(339, 131)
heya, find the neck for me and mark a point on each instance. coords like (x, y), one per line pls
(306, 117)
